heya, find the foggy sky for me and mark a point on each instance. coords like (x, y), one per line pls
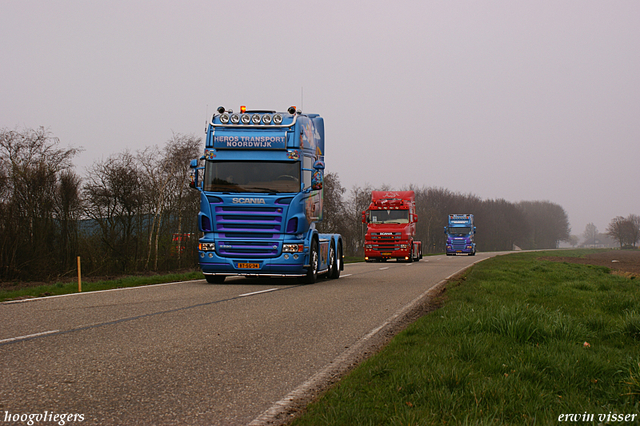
(521, 100)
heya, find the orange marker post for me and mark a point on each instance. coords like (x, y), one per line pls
(79, 277)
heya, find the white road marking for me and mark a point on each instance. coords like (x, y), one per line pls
(345, 275)
(382, 269)
(258, 292)
(28, 336)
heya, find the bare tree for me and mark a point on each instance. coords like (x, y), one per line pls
(183, 203)
(68, 210)
(590, 234)
(626, 231)
(113, 200)
(334, 215)
(30, 167)
(634, 229)
(548, 224)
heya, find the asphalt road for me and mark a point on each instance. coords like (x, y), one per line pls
(194, 353)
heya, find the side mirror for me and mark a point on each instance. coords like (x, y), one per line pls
(445, 229)
(193, 175)
(474, 229)
(415, 217)
(364, 217)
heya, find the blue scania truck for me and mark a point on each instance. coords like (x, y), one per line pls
(261, 197)
(460, 235)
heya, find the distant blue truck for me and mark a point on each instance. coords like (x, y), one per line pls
(261, 196)
(460, 235)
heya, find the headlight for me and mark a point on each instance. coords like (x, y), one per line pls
(368, 246)
(235, 119)
(207, 246)
(246, 119)
(266, 119)
(292, 248)
(403, 246)
(224, 118)
(255, 119)
(277, 119)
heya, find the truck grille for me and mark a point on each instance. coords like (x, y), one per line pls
(245, 231)
(459, 244)
(385, 241)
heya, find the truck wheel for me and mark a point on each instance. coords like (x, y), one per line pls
(331, 261)
(312, 272)
(335, 269)
(215, 279)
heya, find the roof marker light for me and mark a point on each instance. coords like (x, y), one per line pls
(221, 109)
(255, 119)
(292, 110)
(235, 119)
(277, 119)
(243, 109)
(266, 119)
(245, 118)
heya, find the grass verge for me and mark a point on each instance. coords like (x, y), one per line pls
(128, 281)
(72, 287)
(517, 341)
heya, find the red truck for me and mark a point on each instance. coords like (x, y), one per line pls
(391, 227)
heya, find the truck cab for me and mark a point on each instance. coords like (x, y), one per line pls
(460, 235)
(391, 227)
(261, 197)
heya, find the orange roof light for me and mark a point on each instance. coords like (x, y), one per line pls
(243, 109)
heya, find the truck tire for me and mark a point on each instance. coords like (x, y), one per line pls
(335, 269)
(312, 272)
(215, 279)
(331, 261)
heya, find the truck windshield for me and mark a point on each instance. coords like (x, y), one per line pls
(252, 176)
(389, 216)
(459, 231)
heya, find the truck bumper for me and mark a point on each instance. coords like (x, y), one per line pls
(370, 255)
(453, 250)
(287, 264)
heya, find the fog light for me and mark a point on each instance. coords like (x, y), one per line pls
(295, 256)
(210, 255)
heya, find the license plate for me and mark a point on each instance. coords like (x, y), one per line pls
(386, 254)
(249, 265)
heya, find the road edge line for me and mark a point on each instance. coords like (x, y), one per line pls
(283, 411)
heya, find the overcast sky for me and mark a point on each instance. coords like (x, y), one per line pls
(521, 100)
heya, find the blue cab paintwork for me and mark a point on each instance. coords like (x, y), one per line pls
(460, 235)
(250, 229)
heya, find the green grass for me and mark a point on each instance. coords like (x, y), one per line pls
(72, 287)
(507, 347)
